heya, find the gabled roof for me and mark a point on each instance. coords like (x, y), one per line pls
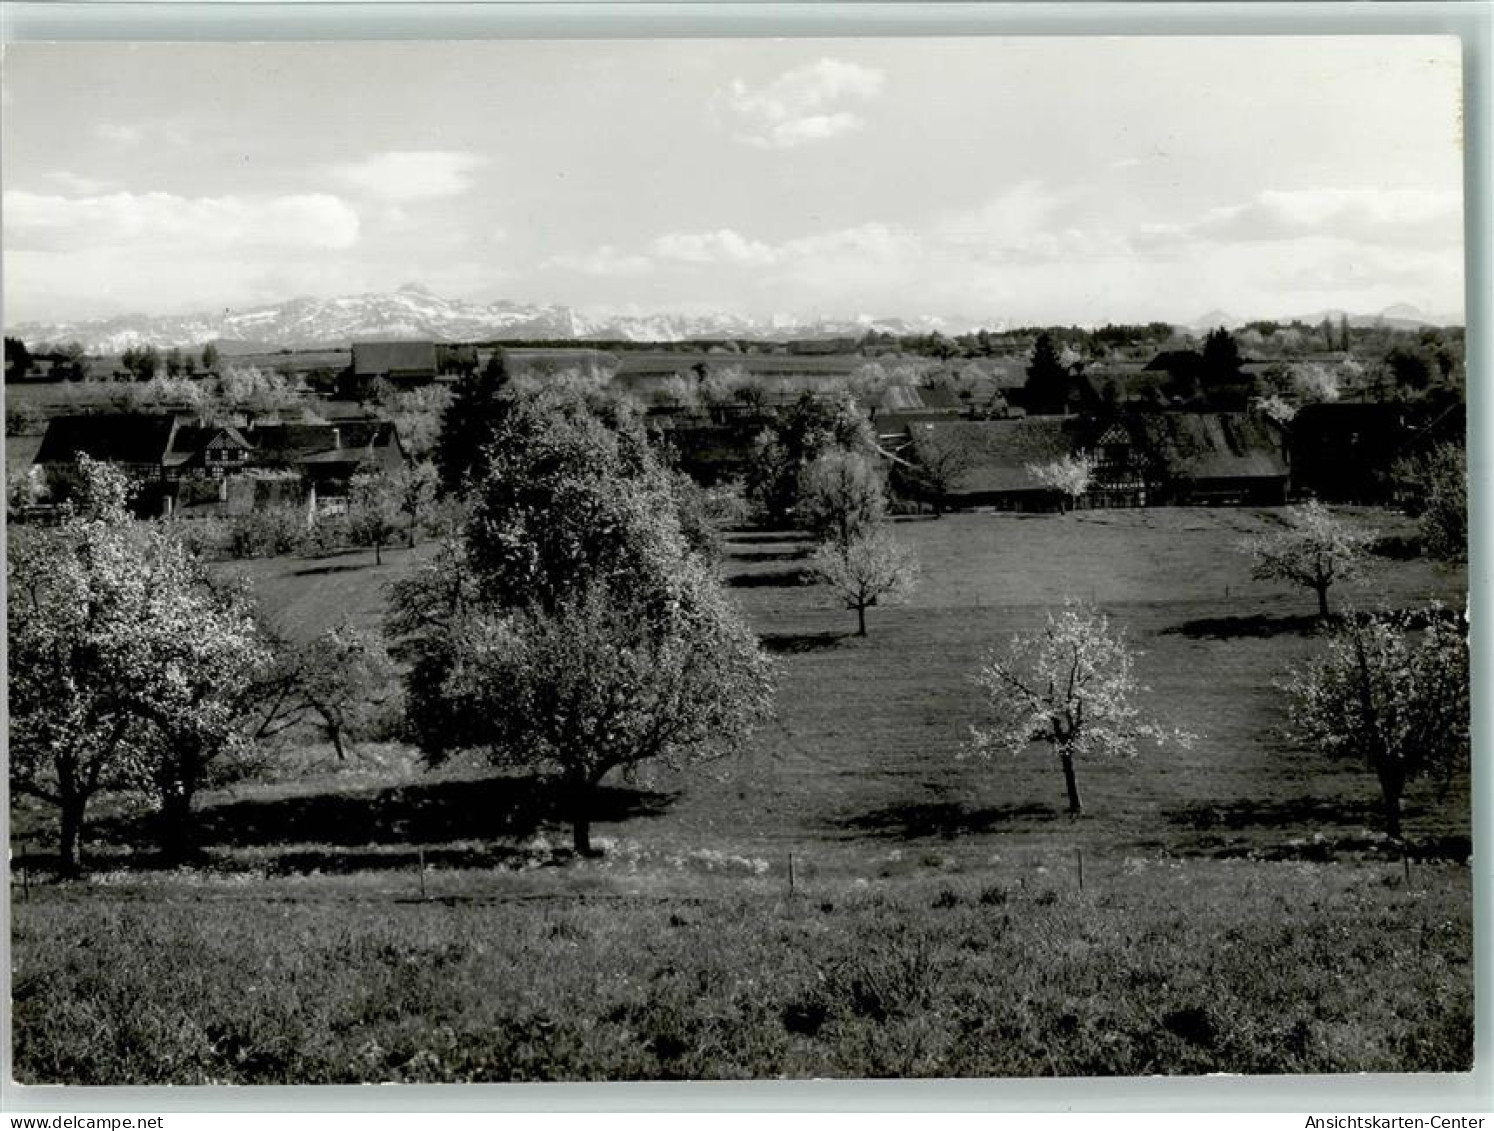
(1217, 445)
(372, 359)
(937, 398)
(116, 437)
(1000, 450)
(350, 441)
(899, 398)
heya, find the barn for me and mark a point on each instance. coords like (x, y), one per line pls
(1217, 457)
(996, 457)
(401, 363)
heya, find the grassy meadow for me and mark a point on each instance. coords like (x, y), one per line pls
(848, 897)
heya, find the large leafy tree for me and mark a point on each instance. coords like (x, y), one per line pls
(1391, 694)
(69, 725)
(128, 664)
(1314, 549)
(192, 657)
(571, 630)
(1071, 686)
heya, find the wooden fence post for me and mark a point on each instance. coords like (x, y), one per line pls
(420, 852)
(1079, 861)
(791, 873)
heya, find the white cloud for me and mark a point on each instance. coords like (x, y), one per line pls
(603, 262)
(118, 133)
(1372, 215)
(157, 131)
(76, 184)
(805, 104)
(408, 175)
(720, 246)
(798, 131)
(157, 221)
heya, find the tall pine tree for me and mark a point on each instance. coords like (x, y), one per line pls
(479, 403)
(1047, 380)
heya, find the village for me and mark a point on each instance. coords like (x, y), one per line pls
(953, 435)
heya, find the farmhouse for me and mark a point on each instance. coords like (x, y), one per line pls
(180, 460)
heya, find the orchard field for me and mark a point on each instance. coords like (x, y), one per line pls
(849, 897)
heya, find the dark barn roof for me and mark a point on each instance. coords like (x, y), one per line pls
(375, 359)
(330, 447)
(116, 437)
(1217, 445)
(1001, 450)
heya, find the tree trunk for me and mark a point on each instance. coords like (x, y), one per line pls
(1392, 785)
(860, 620)
(1322, 591)
(581, 835)
(177, 842)
(70, 838)
(581, 820)
(1076, 806)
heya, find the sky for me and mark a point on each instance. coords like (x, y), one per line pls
(1001, 179)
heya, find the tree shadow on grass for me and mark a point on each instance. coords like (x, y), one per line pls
(748, 555)
(783, 643)
(760, 537)
(1260, 626)
(321, 571)
(1309, 828)
(1293, 814)
(414, 814)
(780, 578)
(946, 819)
(345, 862)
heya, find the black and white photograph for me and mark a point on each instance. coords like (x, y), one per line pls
(637, 559)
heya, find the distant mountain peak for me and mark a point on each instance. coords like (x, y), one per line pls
(1215, 319)
(1404, 310)
(414, 311)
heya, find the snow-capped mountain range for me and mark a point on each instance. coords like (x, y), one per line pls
(414, 312)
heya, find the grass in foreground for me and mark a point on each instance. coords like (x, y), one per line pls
(1241, 967)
